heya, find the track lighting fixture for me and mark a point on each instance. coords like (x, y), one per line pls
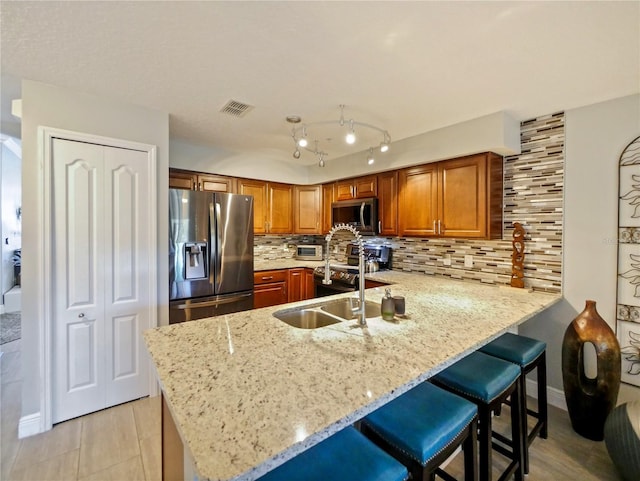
(301, 137)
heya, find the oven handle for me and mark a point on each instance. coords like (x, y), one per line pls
(336, 288)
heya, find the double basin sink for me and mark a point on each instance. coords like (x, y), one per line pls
(327, 313)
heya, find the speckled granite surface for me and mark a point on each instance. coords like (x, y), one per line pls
(266, 265)
(248, 391)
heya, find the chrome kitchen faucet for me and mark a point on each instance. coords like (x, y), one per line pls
(360, 311)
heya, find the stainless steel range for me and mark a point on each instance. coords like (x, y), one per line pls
(344, 277)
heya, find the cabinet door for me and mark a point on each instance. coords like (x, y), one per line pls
(327, 200)
(388, 203)
(365, 186)
(307, 209)
(344, 190)
(266, 295)
(216, 183)
(295, 285)
(462, 197)
(309, 285)
(258, 190)
(182, 180)
(417, 209)
(280, 218)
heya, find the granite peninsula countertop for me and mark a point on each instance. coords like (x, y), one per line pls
(248, 392)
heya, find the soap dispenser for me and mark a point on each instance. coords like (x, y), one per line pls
(387, 306)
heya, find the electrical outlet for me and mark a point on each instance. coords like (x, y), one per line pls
(468, 260)
(447, 260)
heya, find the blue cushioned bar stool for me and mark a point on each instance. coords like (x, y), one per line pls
(529, 354)
(488, 382)
(423, 427)
(347, 455)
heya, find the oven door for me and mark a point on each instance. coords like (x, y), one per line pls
(322, 290)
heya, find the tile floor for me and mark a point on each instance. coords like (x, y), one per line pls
(117, 444)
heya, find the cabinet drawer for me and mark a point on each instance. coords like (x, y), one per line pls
(264, 277)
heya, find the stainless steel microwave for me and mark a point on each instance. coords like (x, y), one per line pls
(362, 214)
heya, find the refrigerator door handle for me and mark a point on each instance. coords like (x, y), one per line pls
(217, 302)
(220, 246)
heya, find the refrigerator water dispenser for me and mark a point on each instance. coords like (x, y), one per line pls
(196, 260)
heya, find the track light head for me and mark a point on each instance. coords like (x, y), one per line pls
(351, 135)
(370, 159)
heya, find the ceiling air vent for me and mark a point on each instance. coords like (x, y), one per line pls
(235, 108)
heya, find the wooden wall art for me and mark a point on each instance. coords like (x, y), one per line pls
(517, 257)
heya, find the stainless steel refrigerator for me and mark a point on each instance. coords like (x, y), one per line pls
(210, 254)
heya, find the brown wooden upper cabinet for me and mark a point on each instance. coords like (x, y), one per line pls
(388, 203)
(183, 179)
(455, 198)
(307, 209)
(357, 188)
(327, 200)
(272, 206)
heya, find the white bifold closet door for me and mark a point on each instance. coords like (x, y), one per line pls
(101, 288)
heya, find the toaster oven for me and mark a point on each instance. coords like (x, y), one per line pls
(309, 252)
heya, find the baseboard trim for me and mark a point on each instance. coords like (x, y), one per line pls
(29, 425)
(555, 397)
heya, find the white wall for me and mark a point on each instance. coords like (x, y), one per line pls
(595, 136)
(10, 201)
(496, 132)
(46, 105)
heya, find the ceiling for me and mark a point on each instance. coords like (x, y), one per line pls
(407, 67)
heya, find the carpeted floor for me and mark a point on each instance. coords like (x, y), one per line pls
(9, 327)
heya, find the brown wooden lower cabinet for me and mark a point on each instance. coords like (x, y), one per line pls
(172, 448)
(269, 288)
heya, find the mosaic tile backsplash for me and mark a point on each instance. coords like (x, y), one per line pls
(533, 196)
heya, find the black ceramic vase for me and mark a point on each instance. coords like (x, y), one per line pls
(590, 400)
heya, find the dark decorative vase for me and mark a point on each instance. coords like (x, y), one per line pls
(590, 400)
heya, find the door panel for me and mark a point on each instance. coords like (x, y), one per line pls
(124, 235)
(81, 355)
(126, 267)
(125, 349)
(78, 326)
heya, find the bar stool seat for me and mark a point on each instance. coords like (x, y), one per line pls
(423, 427)
(529, 354)
(345, 455)
(488, 382)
